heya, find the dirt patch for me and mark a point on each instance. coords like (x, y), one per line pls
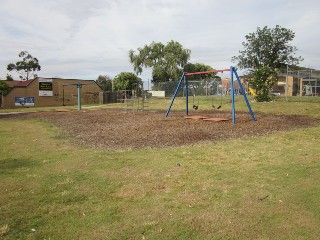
(115, 128)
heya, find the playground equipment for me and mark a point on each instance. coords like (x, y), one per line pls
(79, 86)
(184, 77)
(203, 89)
(219, 91)
(134, 100)
(135, 103)
(195, 105)
(252, 92)
(219, 106)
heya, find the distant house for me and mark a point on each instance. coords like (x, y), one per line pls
(46, 92)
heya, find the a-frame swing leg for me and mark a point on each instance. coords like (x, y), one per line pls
(175, 94)
(232, 96)
(243, 93)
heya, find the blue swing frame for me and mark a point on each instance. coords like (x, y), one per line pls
(184, 77)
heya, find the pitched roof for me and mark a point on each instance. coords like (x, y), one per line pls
(24, 83)
(10, 82)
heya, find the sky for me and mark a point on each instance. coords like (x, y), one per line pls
(83, 39)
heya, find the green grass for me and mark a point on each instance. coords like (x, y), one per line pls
(295, 105)
(53, 108)
(253, 188)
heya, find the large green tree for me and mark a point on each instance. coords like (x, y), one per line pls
(267, 51)
(27, 67)
(105, 82)
(127, 81)
(165, 60)
(199, 67)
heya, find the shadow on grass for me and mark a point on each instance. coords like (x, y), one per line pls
(8, 165)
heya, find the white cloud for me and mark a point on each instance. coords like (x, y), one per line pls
(82, 39)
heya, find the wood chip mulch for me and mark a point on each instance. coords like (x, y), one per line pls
(118, 129)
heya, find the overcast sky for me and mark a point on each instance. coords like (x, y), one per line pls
(85, 39)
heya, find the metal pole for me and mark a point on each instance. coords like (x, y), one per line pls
(232, 96)
(79, 96)
(187, 95)
(175, 94)
(298, 84)
(63, 95)
(287, 83)
(244, 95)
(206, 89)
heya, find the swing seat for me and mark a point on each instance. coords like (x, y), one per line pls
(197, 117)
(215, 107)
(215, 119)
(194, 117)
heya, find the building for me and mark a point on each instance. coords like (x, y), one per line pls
(304, 82)
(47, 92)
(279, 87)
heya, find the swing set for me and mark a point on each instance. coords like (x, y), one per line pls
(232, 70)
(207, 86)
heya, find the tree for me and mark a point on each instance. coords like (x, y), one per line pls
(105, 82)
(263, 80)
(9, 77)
(27, 67)
(166, 61)
(199, 67)
(128, 81)
(266, 52)
(4, 88)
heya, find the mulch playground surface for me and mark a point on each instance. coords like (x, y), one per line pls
(118, 129)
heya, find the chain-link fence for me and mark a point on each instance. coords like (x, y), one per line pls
(202, 87)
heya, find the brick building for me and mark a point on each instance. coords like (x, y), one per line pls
(46, 92)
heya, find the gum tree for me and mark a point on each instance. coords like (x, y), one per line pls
(266, 52)
(165, 60)
(27, 67)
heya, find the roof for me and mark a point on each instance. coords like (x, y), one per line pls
(10, 83)
(24, 83)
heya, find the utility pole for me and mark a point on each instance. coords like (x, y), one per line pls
(287, 83)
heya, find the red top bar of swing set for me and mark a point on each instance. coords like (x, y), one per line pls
(207, 72)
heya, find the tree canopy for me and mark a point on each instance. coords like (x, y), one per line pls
(267, 51)
(27, 67)
(268, 47)
(198, 67)
(105, 82)
(165, 60)
(127, 81)
(4, 88)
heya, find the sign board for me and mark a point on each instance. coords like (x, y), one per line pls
(45, 87)
(157, 93)
(24, 101)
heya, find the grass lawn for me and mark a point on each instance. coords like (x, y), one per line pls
(252, 188)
